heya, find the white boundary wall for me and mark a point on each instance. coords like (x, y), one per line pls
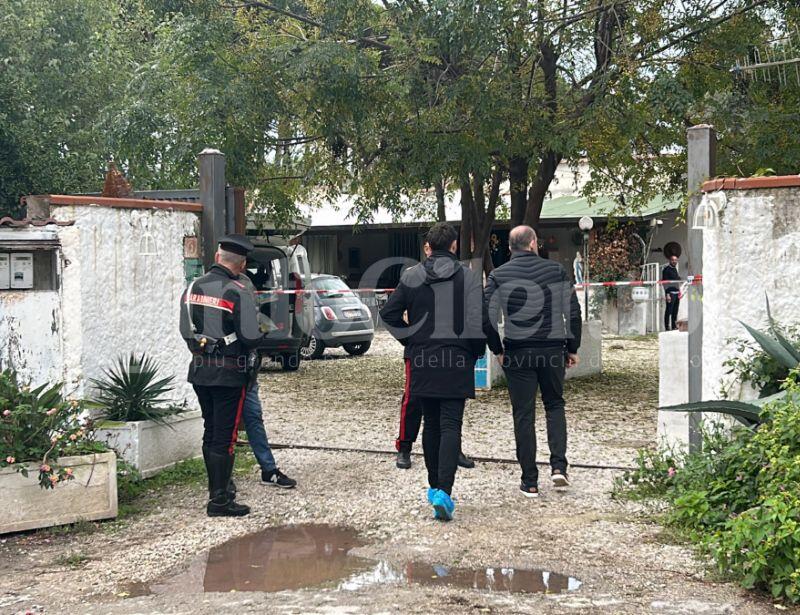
(752, 249)
(116, 298)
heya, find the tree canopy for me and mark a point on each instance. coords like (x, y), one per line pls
(395, 102)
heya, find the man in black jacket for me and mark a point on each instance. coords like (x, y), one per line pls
(443, 338)
(672, 292)
(219, 322)
(542, 335)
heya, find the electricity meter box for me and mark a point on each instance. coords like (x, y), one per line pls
(5, 272)
(21, 270)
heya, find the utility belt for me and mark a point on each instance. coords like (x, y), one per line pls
(247, 365)
(212, 345)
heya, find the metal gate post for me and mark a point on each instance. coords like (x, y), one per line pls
(211, 168)
(702, 161)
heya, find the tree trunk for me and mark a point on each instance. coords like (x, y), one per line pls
(518, 185)
(540, 186)
(486, 215)
(467, 204)
(441, 214)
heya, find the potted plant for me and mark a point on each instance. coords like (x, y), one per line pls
(51, 470)
(137, 419)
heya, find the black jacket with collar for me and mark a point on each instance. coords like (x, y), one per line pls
(220, 304)
(443, 336)
(538, 302)
(669, 272)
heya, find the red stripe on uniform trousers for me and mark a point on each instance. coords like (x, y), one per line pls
(404, 405)
(238, 418)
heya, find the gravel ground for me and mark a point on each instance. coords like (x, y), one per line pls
(622, 558)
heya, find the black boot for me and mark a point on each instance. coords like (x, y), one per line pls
(231, 484)
(220, 503)
(464, 461)
(404, 457)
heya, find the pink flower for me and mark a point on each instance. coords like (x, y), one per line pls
(69, 472)
(44, 468)
(73, 437)
(671, 472)
(52, 411)
(6, 412)
(54, 478)
(10, 459)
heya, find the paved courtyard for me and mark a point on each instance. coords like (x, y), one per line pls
(621, 561)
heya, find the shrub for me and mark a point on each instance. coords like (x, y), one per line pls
(132, 392)
(40, 426)
(755, 365)
(739, 498)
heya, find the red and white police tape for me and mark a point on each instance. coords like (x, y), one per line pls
(692, 280)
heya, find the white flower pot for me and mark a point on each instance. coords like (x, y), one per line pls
(89, 496)
(151, 447)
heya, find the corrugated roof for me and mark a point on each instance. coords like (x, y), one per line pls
(577, 206)
(10, 222)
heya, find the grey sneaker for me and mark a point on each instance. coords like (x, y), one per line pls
(559, 479)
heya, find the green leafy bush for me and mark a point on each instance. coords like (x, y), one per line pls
(40, 426)
(131, 391)
(739, 498)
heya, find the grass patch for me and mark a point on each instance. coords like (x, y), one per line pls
(79, 527)
(72, 560)
(135, 492)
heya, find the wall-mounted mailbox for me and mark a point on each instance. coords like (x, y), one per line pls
(5, 272)
(21, 270)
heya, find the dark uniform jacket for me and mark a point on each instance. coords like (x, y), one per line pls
(670, 273)
(220, 305)
(538, 301)
(443, 336)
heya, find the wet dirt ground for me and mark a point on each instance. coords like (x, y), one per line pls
(151, 562)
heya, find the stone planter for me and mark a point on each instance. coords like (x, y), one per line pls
(151, 447)
(590, 351)
(90, 496)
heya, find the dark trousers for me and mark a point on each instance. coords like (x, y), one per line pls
(441, 440)
(527, 370)
(222, 411)
(671, 311)
(410, 415)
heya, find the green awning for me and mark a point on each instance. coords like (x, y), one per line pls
(576, 207)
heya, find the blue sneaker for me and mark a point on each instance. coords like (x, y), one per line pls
(443, 506)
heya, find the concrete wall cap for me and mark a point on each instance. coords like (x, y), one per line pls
(751, 183)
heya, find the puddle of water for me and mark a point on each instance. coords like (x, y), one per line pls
(303, 556)
(504, 580)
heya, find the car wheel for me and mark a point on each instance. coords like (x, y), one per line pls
(290, 362)
(313, 349)
(357, 349)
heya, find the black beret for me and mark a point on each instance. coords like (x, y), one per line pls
(238, 244)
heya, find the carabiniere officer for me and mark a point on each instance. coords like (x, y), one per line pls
(219, 323)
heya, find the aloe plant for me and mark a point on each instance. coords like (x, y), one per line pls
(132, 392)
(750, 413)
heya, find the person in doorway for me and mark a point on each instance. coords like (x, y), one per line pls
(542, 337)
(411, 417)
(442, 334)
(218, 320)
(672, 293)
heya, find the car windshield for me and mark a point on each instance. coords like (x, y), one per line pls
(329, 284)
